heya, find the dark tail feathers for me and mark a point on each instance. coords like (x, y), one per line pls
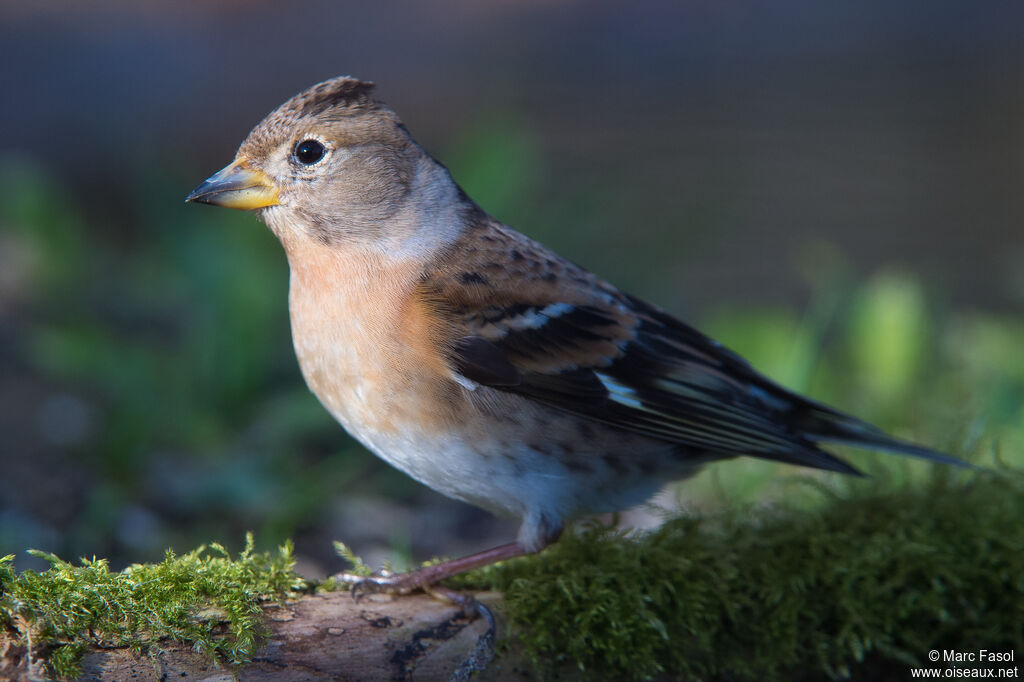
(825, 425)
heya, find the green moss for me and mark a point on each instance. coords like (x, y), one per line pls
(60, 612)
(865, 584)
(862, 583)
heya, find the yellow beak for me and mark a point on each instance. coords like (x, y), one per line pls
(236, 186)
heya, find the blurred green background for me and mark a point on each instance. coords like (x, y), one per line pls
(833, 192)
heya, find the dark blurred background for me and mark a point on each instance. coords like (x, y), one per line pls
(833, 189)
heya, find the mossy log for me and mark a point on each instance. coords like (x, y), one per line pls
(858, 583)
(316, 637)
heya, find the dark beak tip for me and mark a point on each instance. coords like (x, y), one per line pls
(196, 194)
(235, 186)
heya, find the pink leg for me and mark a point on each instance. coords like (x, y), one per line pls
(404, 583)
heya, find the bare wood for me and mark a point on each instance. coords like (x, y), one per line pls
(319, 637)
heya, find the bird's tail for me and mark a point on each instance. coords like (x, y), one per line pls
(825, 425)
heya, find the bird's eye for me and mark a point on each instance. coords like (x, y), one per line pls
(309, 152)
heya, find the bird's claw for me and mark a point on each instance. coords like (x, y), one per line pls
(384, 582)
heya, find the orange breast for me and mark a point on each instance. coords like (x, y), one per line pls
(366, 342)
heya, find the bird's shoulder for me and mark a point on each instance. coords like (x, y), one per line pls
(545, 313)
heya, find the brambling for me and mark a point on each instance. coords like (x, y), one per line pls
(478, 361)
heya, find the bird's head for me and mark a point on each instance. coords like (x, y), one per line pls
(331, 163)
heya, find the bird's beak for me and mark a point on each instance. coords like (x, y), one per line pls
(236, 186)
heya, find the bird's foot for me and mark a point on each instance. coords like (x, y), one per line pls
(382, 582)
(386, 582)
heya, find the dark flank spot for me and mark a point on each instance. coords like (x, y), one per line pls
(472, 278)
(488, 238)
(516, 255)
(550, 277)
(616, 464)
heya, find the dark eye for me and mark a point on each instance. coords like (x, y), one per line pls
(309, 152)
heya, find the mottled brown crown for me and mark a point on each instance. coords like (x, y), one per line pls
(343, 92)
(337, 98)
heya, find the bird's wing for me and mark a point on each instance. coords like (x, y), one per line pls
(530, 323)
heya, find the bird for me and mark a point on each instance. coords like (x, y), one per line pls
(482, 363)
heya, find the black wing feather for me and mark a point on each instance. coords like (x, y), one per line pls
(667, 381)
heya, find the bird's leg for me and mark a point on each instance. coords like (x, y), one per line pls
(534, 535)
(404, 583)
